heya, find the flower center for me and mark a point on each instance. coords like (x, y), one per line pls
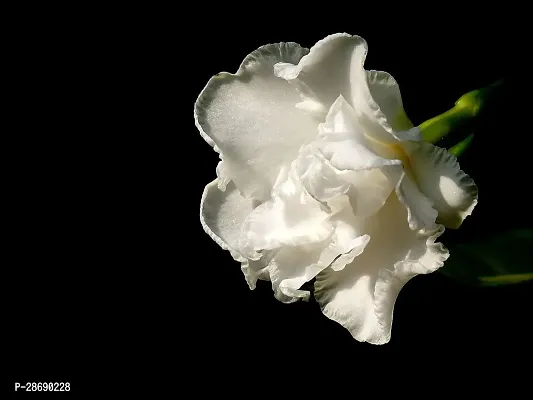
(387, 150)
(391, 151)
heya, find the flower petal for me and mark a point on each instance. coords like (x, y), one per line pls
(386, 92)
(440, 177)
(361, 296)
(342, 140)
(292, 266)
(300, 236)
(222, 214)
(368, 189)
(340, 162)
(255, 270)
(420, 211)
(326, 72)
(291, 218)
(320, 179)
(335, 66)
(251, 119)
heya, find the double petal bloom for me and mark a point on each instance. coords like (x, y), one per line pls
(322, 175)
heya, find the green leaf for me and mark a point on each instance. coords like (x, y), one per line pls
(500, 260)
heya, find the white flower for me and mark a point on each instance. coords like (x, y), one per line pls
(323, 176)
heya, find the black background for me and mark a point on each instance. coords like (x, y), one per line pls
(109, 269)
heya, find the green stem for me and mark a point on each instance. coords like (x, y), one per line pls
(505, 279)
(459, 148)
(466, 108)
